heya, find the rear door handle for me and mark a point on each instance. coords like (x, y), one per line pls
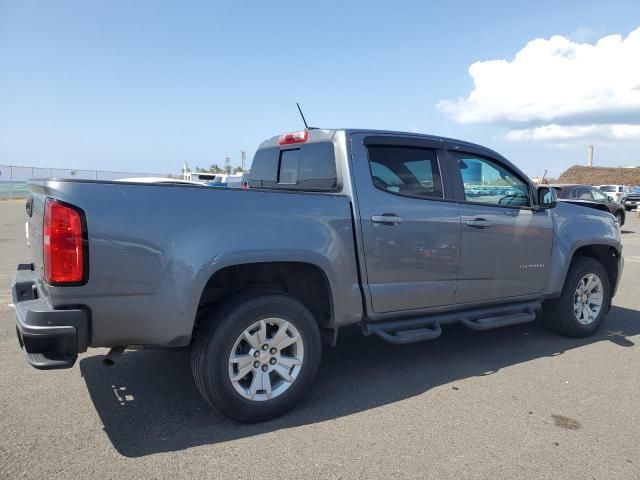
(388, 218)
(479, 223)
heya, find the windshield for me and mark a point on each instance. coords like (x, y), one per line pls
(608, 188)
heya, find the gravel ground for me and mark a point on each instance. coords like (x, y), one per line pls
(517, 402)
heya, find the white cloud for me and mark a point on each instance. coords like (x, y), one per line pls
(572, 132)
(564, 89)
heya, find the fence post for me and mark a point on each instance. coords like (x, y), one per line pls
(11, 180)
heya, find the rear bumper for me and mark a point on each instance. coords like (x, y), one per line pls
(51, 338)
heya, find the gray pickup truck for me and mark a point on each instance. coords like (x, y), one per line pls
(397, 233)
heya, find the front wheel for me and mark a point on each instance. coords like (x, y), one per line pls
(584, 301)
(256, 357)
(620, 217)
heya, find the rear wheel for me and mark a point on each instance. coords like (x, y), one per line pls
(255, 357)
(620, 217)
(584, 301)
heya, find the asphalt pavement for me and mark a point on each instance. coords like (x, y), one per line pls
(517, 402)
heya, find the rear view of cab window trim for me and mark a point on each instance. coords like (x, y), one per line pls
(436, 171)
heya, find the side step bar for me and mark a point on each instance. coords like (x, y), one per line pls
(417, 329)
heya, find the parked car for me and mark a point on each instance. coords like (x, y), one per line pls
(338, 228)
(587, 194)
(616, 192)
(163, 180)
(632, 200)
(229, 181)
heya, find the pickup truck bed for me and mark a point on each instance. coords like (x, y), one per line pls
(153, 248)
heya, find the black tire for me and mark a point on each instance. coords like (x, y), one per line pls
(558, 313)
(620, 216)
(215, 339)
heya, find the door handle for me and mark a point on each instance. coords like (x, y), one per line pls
(479, 223)
(388, 218)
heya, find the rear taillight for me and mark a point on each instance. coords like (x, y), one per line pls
(64, 252)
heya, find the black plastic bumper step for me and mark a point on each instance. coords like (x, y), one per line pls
(50, 361)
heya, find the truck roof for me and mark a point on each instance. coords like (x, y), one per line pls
(328, 134)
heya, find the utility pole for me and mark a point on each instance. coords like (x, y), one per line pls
(590, 159)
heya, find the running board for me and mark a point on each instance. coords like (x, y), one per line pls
(417, 329)
(487, 323)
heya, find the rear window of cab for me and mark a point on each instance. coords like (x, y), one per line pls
(310, 166)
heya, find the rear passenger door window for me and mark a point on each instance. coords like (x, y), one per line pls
(486, 181)
(407, 171)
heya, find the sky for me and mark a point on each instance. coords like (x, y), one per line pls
(143, 86)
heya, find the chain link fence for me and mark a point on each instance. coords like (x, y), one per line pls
(13, 179)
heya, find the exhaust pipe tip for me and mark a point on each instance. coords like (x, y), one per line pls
(110, 358)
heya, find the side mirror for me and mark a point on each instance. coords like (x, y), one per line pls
(610, 198)
(547, 197)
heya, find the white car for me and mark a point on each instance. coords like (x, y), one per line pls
(167, 180)
(617, 192)
(230, 181)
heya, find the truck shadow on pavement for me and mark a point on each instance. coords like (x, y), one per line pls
(148, 403)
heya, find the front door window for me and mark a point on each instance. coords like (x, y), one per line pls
(490, 183)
